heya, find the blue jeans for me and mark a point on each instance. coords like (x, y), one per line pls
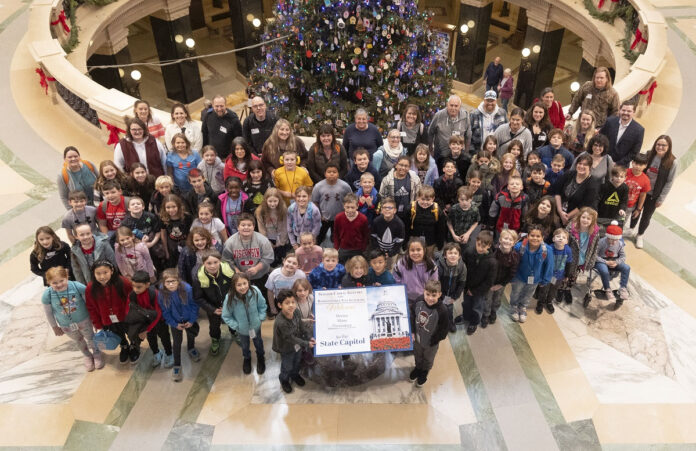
(504, 103)
(521, 293)
(289, 365)
(603, 271)
(472, 308)
(258, 344)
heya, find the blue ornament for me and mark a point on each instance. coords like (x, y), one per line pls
(361, 68)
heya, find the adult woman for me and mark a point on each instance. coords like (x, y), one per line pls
(554, 107)
(76, 175)
(578, 135)
(402, 185)
(661, 169)
(411, 129)
(543, 213)
(576, 189)
(139, 145)
(282, 138)
(181, 123)
(141, 110)
(537, 120)
(385, 158)
(602, 163)
(515, 129)
(239, 159)
(326, 150)
(598, 96)
(361, 134)
(506, 87)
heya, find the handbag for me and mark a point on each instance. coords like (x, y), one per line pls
(106, 340)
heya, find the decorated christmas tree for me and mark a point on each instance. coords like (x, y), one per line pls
(344, 55)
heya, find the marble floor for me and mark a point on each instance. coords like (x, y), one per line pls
(579, 379)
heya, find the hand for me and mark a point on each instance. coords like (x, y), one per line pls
(465, 238)
(611, 264)
(413, 337)
(146, 239)
(457, 238)
(369, 200)
(142, 335)
(377, 284)
(564, 217)
(496, 287)
(568, 117)
(658, 204)
(469, 292)
(622, 213)
(295, 246)
(251, 272)
(180, 326)
(635, 214)
(218, 311)
(187, 325)
(312, 342)
(58, 331)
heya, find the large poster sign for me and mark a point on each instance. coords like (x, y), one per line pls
(355, 320)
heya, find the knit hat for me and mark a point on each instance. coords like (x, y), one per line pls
(614, 232)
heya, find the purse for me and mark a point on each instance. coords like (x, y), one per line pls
(106, 340)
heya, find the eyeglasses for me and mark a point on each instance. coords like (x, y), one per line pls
(387, 207)
(260, 105)
(136, 130)
(661, 145)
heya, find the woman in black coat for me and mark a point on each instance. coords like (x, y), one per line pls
(576, 189)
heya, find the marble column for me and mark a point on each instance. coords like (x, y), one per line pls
(196, 14)
(472, 39)
(113, 52)
(247, 28)
(171, 31)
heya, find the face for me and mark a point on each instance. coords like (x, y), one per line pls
(416, 252)
(246, 229)
(449, 169)
(452, 256)
(515, 186)
(585, 121)
(171, 283)
(544, 209)
(84, 236)
(482, 248)
(219, 106)
(290, 265)
(538, 177)
(490, 146)
(302, 199)
(136, 132)
(241, 286)
(506, 242)
(661, 147)
(394, 139)
(556, 141)
(361, 161)
(290, 161)
(125, 240)
(109, 172)
(456, 149)
(103, 274)
(637, 168)
(515, 123)
(431, 297)
(538, 114)
(585, 220)
(272, 202)
(402, 168)
(180, 145)
(361, 121)
(307, 243)
(256, 175)
(287, 308)
(422, 157)
(535, 238)
(330, 263)
(326, 139)
(72, 158)
(112, 195)
(358, 271)
(140, 175)
(425, 201)
(597, 148)
(209, 157)
(483, 161)
(331, 175)
(515, 150)
(453, 106)
(367, 184)
(508, 164)
(205, 215)
(45, 240)
(301, 293)
(283, 132)
(140, 287)
(560, 240)
(618, 179)
(233, 189)
(351, 209)
(239, 151)
(142, 111)
(532, 159)
(172, 209)
(557, 166)
(548, 99)
(582, 168)
(179, 115)
(496, 60)
(165, 189)
(411, 117)
(259, 107)
(489, 104)
(378, 264)
(388, 211)
(475, 183)
(78, 204)
(600, 80)
(464, 202)
(198, 183)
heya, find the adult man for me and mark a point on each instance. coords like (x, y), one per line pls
(625, 135)
(221, 128)
(448, 122)
(258, 125)
(493, 75)
(485, 119)
(598, 96)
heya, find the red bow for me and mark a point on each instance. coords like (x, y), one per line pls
(44, 79)
(649, 91)
(638, 39)
(63, 21)
(601, 3)
(113, 132)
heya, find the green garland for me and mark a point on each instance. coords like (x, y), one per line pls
(624, 12)
(73, 40)
(98, 2)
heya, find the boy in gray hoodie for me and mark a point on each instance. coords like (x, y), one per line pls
(429, 326)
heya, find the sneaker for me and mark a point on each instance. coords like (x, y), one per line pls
(515, 315)
(157, 358)
(422, 379)
(285, 385)
(246, 366)
(639, 241)
(549, 307)
(567, 296)
(459, 319)
(471, 328)
(452, 328)
(609, 294)
(484, 322)
(523, 315)
(631, 233)
(168, 361)
(586, 301)
(623, 294)
(98, 360)
(123, 355)
(299, 380)
(618, 304)
(413, 375)
(134, 353)
(492, 317)
(539, 309)
(214, 346)
(260, 365)
(194, 354)
(176, 374)
(89, 363)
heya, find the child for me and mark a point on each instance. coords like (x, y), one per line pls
(638, 187)
(562, 258)
(210, 286)
(510, 206)
(139, 183)
(506, 267)
(210, 223)
(536, 186)
(486, 165)
(378, 274)
(249, 252)
(107, 303)
(388, 232)
(361, 165)
(255, 186)
(181, 161)
(66, 313)
(49, 252)
(308, 254)
(244, 310)
(535, 268)
(480, 275)
(180, 312)
(427, 220)
(111, 211)
(302, 290)
(543, 213)
(201, 191)
(108, 171)
(583, 240)
(212, 169)
(368, 197)
(613, 198)
(351, 231)
(452, 273)
(147, 297)
(164, 185)
(177, 223)
(88, 248)
(272, 218)
(424, 165)
(429, 324)
(356, 273)
(555, 147)
(199, 241)
(328, 195)
(79, 213)
(132, 256)
(461, 159)
(446, 186)
(533, 158)
(611, 256)
(282, 279)
(516, 148)
(146, 226)
(290, 177)
(507, 170)
(556, 171)
(232, 203)
(415, 268)
(490, 144)
(303, 216)
(290, 335)
(237, 163)
(329, 273)
(481, 197)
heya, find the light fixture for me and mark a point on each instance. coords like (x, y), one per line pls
(179, 39)
(135, 75)
(256, 22)
(121, 72)
(574, 86)
(464, 28)
(526, 52)
(190, 43)
(471, 24)
(249, 17)
(536, 49)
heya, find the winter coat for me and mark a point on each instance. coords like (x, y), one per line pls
(590, 255)
(102, 251)
(537, 263)
(507, 266)
(452, 278)
(246, 315)
(110, 302)
(321, 278)
(210, 291)
(509, 211)
(498, 117)
(387, 187)
(602, 102)
(480, 271)
(174, 311)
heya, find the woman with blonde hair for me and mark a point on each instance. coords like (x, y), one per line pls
(282, 138)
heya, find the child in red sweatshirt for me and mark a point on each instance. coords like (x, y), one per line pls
(351, 232)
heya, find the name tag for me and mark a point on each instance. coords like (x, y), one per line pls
(553, 280)
(113, 318)
(73, 327)
(297, 347)
(223, 130)
(588, 96)
(403, 134)
(252, 333)
(254, 131)
(456, 133)
(417, 338)
(530, 280)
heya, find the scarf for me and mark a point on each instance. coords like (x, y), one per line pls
(393, 154)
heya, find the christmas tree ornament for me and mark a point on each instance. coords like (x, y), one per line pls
(346, 14)
(341, 24)
(357, 50)
(309, 53)
(352, 20)
(358, 94)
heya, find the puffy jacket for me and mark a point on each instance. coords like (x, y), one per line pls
(102, 251)
(210, 291)
(321, 278)
(507, 266)
(110, 302)
(246, 315)
(537, 263)
(174, 310)
(508, 210)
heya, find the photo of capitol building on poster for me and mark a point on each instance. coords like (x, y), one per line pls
(389, 318)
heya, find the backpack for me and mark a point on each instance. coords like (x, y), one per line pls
(105, 204)
(435, 209)
(523, 248)
(64, 171)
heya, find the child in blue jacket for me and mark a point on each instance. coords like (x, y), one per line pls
(180, 312)
(329, 273)
(535, 269)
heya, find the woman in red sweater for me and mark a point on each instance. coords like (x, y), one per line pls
(107, 304)
(556, 115)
